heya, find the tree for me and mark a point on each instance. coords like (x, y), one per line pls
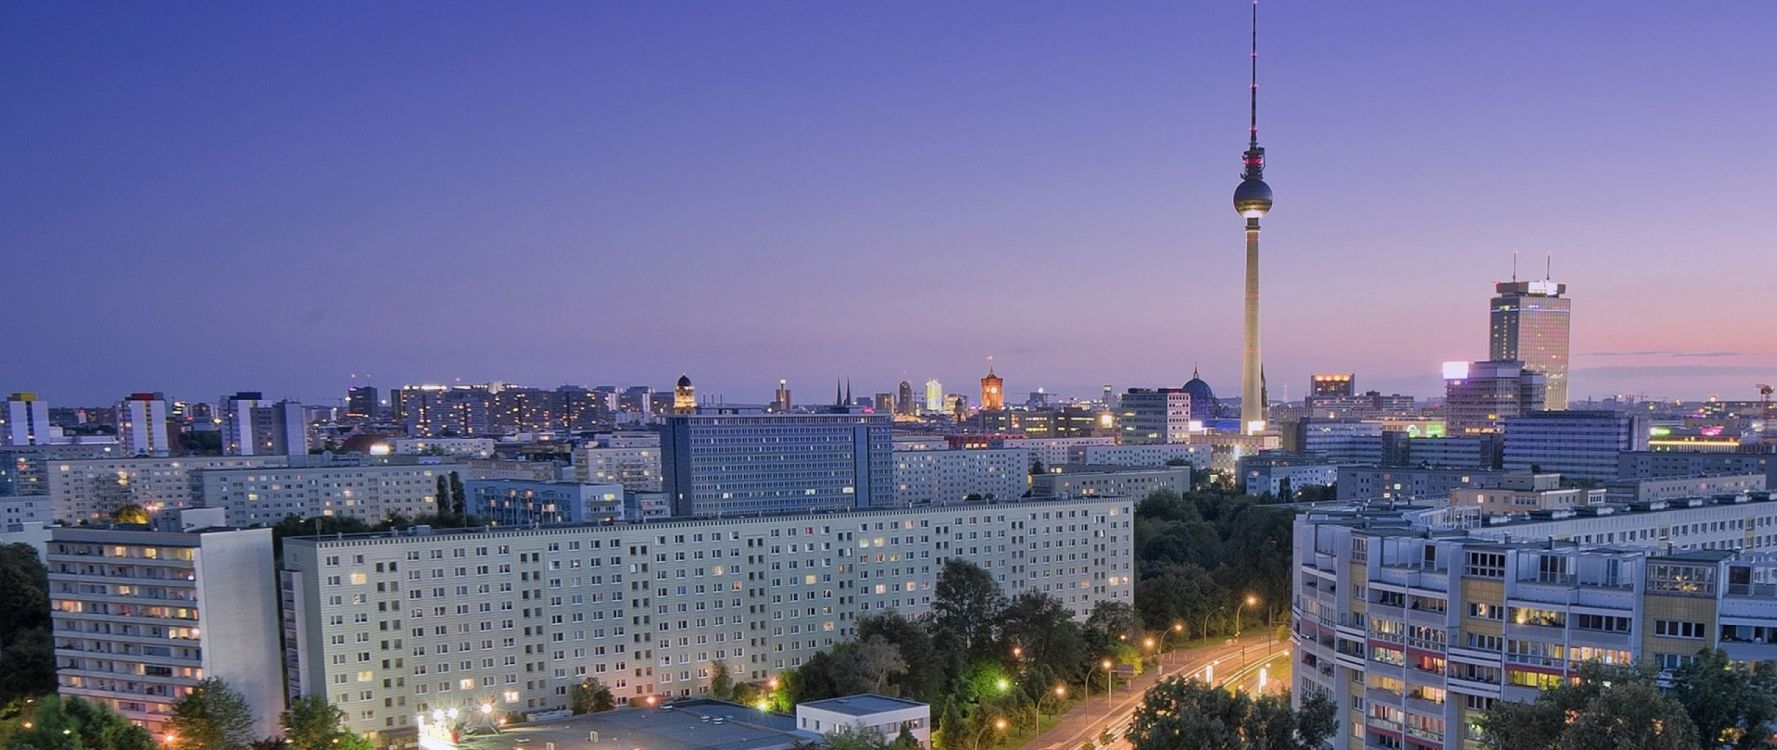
(130, 514)
(952, 735)
(865, 666)
(721, 684)
(1606, 707)
(923, 678)
(852, 738)
(904, 740)
(1116, 618)
(590, 697)
(441, 496)
(1045, 629)
(459, 505)
(311, 723)
(1187, 713)
(1730, 704)
(213, 716)
(27, 657)
(967, 601)
(65, 723)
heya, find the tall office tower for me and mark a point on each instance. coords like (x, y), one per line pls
(904, 403)
(1333, 385)
(684, 396)
(1155, 415)
(1108, 397)
(1575, 444)
(993, 394)
(883, 403)
(253, 426)
(142, 616)
(361, 402)
(26, 420)
(1530, 323)
(773, 463)
(934, 397)
(142, 425)
(1480, 396)
(1252, 199)
(782, 400)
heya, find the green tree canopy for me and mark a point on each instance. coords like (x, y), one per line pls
(1606, 707)
(967, 601)
(1733, 705)
(1180, 713)
(213, 716)
(311, 723)
(58, 723)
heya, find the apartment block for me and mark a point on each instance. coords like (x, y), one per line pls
(1576, 444)
(1675, 488)
(368, 491)
(776, 463)
(1415, 633)
(1196, 455)
(1396, 484)
(953, 476)
(389, 626)
(636, 467)
(1083, 480)
(140, 617)
(513, 502)
(93, 489)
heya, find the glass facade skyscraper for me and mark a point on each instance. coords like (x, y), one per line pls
(1529, 323)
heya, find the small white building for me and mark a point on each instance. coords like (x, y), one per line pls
(868, 712)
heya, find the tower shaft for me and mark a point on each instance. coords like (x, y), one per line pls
(1252, 392)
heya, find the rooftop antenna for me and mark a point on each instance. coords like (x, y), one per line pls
(1549, 267)
(1253, 128)
(1514, 266)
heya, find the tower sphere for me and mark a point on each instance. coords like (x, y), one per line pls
(1252, 198)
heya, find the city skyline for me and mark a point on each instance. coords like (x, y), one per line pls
(434, 205)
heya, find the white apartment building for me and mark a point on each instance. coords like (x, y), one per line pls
(1134, 483)
(1415, 632)
(953, 476)
(142, 425)
(92, 489)
(368, 492)
(1151, 454)
(442, 446)
(1060, 450)
(389, 626)
(636, 467)
(25, 421)
(141, 616)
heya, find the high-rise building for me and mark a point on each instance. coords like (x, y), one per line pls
(309, 486)
(1332, 385)
(782, 399)
(361, 402)
(1530, 323)
(26, 421)
(721, 464)
(993, 394)
(1155, 415)
(142, 425)
(726, 586)
(904, 404)
(637, 401)
(883, 403)
(927, 477)
(253, 426)
(1575, 444)
(1252, 199)
(934, 397)
(142, 616)
(1480, 396)
(684, 396)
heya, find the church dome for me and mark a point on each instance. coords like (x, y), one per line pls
(1203, 399)
(684, 381)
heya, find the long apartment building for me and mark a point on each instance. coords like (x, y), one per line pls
(1415, 633)
(93, 489)
(140, 617)
(367, 491)
(391, 626)
(953, 476)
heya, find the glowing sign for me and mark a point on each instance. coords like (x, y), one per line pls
(1455, 370)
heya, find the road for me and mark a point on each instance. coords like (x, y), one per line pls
(1233, 660)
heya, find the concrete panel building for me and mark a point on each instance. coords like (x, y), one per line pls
(1084, 480)
(775, 463)
(369, 491)
(954, 476)
(1575, 444)
(513, 502)
(92, 489)
(140, 617)
(393, 626)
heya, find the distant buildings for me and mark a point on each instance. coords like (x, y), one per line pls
(253, 426)
(1576, 444)
(956, 476)
(781, 400)
(1529, 323)
(934, 397)
(26, 421)
(1480, 396)
(1155, 415)
(517, 502)
(1522, 493)
(993, 394)
(1071, 481)
(684, 397)
(1275, 473)
(776, 463)
(142, 425)
(305, 488)
(361, 402)
(905, 406)
(1331, 385)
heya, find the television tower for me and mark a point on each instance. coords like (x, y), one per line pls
(1252, 199)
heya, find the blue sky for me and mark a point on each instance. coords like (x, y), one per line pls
(200, 198)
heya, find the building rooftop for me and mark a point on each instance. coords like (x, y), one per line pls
(687, 725)
(865, 704)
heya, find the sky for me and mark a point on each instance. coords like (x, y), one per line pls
(201, 198)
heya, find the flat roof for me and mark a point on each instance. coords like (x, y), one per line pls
(863, 705)
(680, 726)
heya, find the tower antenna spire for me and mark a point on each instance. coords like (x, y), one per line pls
(1548, 266)
(1253, 129)
(1514, 266)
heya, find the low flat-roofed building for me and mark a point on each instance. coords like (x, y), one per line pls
(870, 713)
(685, 725)
(1675, 488)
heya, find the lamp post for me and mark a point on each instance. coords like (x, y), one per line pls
(1208, 615)
(1249, 601)
(1060, 692)
(1177, 627)
(1107, 682)
(999, 724)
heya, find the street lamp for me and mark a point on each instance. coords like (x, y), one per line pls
(1160, 658)
(1208, 615)
(999, 724)
(1060, 692)
(1249, 601)
(1107, 681)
